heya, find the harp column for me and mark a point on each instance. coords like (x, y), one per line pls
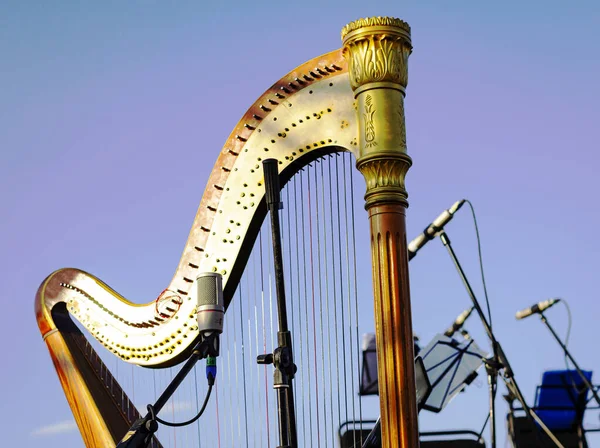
(377, 51)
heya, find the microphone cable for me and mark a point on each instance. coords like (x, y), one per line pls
(487, 300)
(485, 293)
(211, 372)
(567, 337)
(566, 342)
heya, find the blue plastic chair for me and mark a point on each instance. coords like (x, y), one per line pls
(561, 399)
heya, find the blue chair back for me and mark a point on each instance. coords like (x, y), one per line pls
(559, 401)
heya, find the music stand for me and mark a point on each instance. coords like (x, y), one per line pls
(442, 369)
(450, 367)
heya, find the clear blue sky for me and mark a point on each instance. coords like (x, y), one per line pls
(111, 114)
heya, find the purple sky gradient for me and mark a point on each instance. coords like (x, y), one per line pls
(112, 114)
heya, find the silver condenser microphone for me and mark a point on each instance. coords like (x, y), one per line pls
(211, 306)
(433, 229)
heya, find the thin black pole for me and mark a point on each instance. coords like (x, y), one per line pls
(492, 382)
(282, 357)
(499, 359)
(176, 382)
(587, 382)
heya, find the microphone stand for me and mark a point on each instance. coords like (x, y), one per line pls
(141, 432)
(587, 382)
(498, 361)
(282, 357)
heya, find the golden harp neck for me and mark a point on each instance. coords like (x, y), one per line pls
(306, 114)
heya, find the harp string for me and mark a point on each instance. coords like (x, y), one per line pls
(178, 395)
(319, 248)
(334, 283)
(253, 372)
(286, 249)
(341, 284)
(259, 401)
(352, 279)
(297, 337)
(272, 328)
(320, 294)
(245, 391)
(305, 300)
(314, 319)
(302, 306)
(327, 316)
(230, 422)
(264, 336)
(347, 262)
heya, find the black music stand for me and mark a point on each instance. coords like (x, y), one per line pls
(447, 365)
(450, 367)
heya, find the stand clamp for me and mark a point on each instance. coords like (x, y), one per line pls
(282, 360)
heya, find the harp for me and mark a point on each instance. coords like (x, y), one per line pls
(349, 101)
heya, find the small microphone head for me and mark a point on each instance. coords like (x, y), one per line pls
(547, 304)
(211, 306)
(458, 323)
(537, 308)
(456, 206)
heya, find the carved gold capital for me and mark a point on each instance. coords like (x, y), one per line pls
(377, 51)
(384, 174)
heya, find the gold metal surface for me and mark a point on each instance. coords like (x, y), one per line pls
(377, 51)
(93, 427)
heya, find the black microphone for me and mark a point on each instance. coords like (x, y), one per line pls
(537, 308)
(211, 308)
(433, 229)
(458, 323)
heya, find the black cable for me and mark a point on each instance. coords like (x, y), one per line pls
(566, 343)
(487, 301)
(188, 422)
(487, 419)
(568, 335)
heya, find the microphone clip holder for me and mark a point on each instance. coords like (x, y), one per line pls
(209, 344)
(492, 366)
(282, 360)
